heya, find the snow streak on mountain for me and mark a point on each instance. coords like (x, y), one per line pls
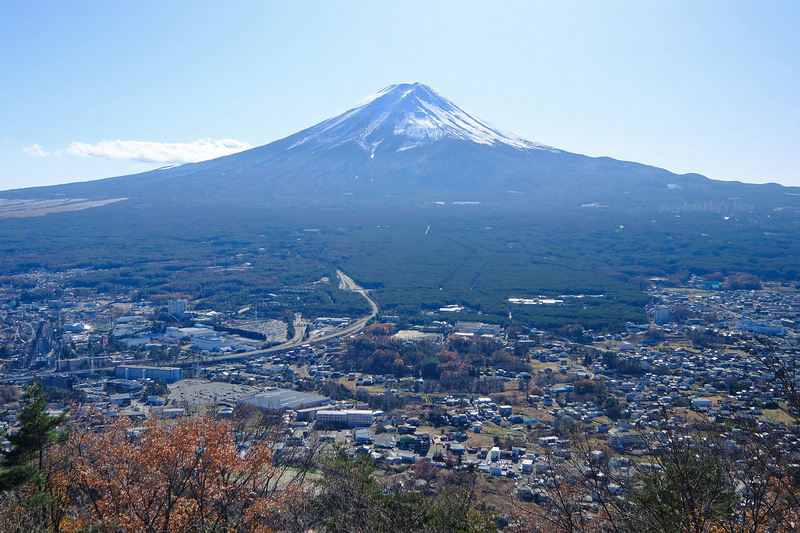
(406, 116)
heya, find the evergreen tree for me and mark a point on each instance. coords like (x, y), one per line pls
(24, 462)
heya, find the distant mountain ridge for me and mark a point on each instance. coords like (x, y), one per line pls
(407, 145)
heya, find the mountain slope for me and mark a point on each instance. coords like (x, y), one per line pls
(407, 145)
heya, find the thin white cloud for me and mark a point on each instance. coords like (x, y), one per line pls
(154, 152)
(34, 150)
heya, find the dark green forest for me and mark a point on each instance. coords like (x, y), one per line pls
(414, 261)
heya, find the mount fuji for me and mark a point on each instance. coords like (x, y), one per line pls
(409, 146)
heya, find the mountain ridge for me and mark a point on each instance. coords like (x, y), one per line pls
(407, 145)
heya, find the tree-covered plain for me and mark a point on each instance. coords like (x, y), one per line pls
(413, 260)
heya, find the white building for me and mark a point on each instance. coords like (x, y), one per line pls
(202, 338)
(527, 466)
(661, 314)
(494, 454)
(192, 333)
(348, 418)
(210, 344)
(176, 307)
(757, 327)
(622, 439)
(478, 328)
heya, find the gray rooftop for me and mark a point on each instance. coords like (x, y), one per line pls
(286, 399)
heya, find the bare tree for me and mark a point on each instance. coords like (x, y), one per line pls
(784, 366)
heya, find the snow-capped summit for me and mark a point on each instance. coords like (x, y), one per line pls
(405, 116)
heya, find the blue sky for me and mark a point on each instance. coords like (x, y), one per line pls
(99, 89)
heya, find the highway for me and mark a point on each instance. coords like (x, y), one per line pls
(345, 283)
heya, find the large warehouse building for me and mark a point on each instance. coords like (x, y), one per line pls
(291, 400)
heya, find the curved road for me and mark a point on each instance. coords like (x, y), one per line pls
(345, 283)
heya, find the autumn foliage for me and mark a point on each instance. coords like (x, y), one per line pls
(166, 476)
(184, 477)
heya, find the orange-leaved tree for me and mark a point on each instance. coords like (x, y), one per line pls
(189, 475)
